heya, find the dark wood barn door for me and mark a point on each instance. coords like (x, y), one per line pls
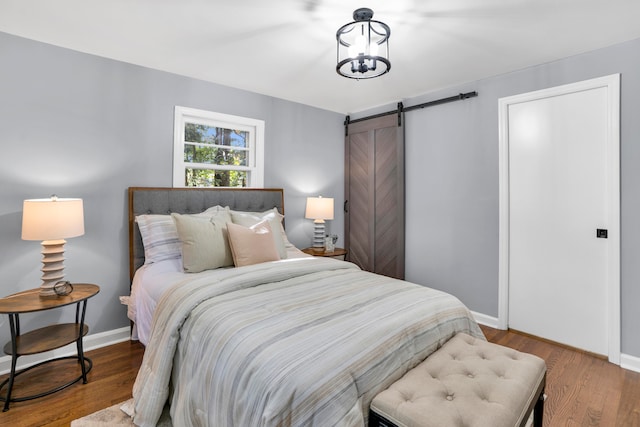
(374, 192)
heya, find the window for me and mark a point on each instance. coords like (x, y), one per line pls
(217, 150)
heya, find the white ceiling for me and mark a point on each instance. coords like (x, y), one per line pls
(287, 48)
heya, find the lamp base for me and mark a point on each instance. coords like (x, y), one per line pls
(52, 266)
(318, 235)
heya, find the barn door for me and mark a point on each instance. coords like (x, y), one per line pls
(374, 189)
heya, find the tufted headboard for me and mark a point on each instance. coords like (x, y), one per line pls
(163, 201)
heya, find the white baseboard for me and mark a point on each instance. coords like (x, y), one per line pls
(90, 342)
(631, 363)
(485, 320)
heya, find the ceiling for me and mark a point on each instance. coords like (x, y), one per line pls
(287, 48)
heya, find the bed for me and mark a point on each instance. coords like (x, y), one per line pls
(150, 279)
(294, 340)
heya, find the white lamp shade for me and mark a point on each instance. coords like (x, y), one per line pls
(319, 208)
(52, 219)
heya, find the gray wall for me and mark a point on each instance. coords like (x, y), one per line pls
(452, 181)
(83, 126)
(78, 125)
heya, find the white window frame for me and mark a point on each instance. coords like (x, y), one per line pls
(255, 128)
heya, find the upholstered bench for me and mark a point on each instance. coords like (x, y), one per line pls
(467, 382)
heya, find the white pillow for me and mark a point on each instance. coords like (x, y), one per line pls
(252, 245)
(248, 219)
(160, 237)
(204, 241)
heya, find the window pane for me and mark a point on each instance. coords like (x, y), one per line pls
(212, 144)
(213, 178)
(215, 135)
(214, 155)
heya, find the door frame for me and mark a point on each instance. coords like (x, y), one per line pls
(612, 84)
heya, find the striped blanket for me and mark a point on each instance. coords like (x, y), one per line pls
(305, 342)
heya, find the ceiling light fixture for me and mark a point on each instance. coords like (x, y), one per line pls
(363, 47)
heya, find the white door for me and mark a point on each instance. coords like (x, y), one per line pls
(561, 148)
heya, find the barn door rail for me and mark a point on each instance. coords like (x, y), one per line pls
(402, 109)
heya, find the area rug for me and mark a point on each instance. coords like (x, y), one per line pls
(114, 416)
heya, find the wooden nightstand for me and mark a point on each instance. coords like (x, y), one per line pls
(338, 253)
(48, 337)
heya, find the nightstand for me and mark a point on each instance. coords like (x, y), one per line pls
(46, 338)
(338, 253)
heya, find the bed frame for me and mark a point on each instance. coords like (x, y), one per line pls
(165, 200)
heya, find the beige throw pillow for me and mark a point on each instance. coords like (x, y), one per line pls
(248, 219)
(205, 241)
(252, 245)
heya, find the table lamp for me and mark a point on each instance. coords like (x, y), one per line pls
(52, 220)
(319, 209)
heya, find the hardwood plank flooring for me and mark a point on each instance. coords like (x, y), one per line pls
(109, 382)
(582, 390)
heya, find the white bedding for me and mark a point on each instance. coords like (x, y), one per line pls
(150, 282)
(305, 342)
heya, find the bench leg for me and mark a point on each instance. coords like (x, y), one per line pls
(376, 420)
(538, 410)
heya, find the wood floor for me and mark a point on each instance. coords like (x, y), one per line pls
(582, 390)
(109, 382)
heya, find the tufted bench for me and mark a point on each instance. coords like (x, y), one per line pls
(467, 382)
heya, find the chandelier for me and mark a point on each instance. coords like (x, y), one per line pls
(363, 47)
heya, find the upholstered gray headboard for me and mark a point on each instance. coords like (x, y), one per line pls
(164, 201)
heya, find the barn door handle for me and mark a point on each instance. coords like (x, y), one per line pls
(346, 206)
(601, 233)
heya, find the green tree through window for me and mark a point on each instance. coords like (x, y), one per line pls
(217, 154)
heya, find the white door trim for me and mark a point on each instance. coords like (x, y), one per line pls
(612, 84)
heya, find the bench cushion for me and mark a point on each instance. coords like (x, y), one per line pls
(467, 382)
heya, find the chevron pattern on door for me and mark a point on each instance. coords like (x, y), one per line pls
(388, 196)
(374, 188)
(360, 194)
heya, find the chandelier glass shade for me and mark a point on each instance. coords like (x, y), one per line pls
(363, 47)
